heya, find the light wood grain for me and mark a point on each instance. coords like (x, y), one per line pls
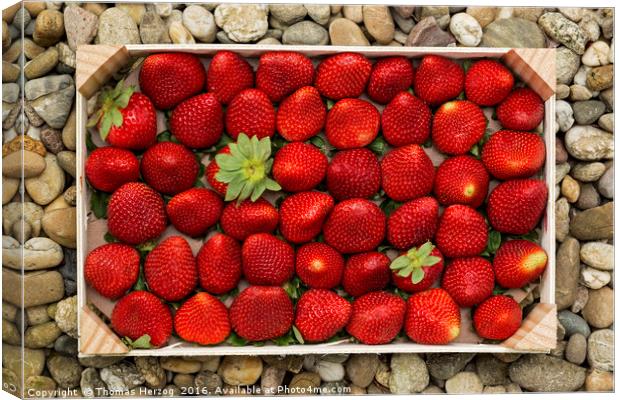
(96, 337)
(538, 330)
(95, 65)
(536, 67)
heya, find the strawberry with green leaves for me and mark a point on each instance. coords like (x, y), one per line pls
(108, 168)
(498, 318)
(320, 314)
(202, 319)
(418, 268)
(377, 317)
(365, 273)
(519, 262)
(432, 317)
(142, 317)
(212, 170)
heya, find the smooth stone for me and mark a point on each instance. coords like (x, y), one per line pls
(589, 143)
(466, 29)
(288, 13)
(353, 13)
(379, 23)
(54, 108)
(600, 78)
(567, 273)
(163, 9)
(35, 7)
(67, 161)
(573, 323)
(65, 370)
(28, 163)
(319, 13)
(591, 29)
(513, 32)
(10, 72)
(271, 379)
(242, 23)
(344, 32)
(152, 28)
(305, 33)
(135, 11)
(66, 316)
(561, 170)
(10, 333)
(91, 384)
(269, 40)
(65, 344)
(49, 28)
(40, 386)
(562, 219)
(601, 350)
(428, 33)
(361, 369)
(68, 132)
(543, 373)
(589, 197)
(38, 253)
(599, 310)
(9, 188)
(599, 381)
(304, 383)
(564, 31)
(116, 26)
(593, 224)
(154, 375)
(446, 365)
(566, 64)
(598, 255)
(570, 189)
(41, 64)
(200, 23)
(60, 226)
(409, 374)
(606, 121)
(121, 377)
(100, 361)
(330, 371)
(596, 54)
(404, 24)
(528, 13)
(16, 357)
(576, 349)
(464, 383)
(484, 15)
(580, 93)
(290, 363)
(40, 287)
(440, 13)
(10, 92)
(184, 381)
(52, 140)
(588, 172)
(180, 365)
(605, 185)
(594, 278)
(491, 370)
(41, 336)
(208, 382)
(81, 26)
(562, 91)
(49, 184)
(240, 370)
(588, 112)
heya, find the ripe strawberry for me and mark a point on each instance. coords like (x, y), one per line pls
(353, 173)
(198, 122)
(319, 266)
(413, 223)
(280, 73)
(469, 280)
(302, 215)
(461, 180)
(170, 269)
(388, 77)
(519, 262)
(202, 319)
(515, 206)
(488, 82)
(267, 260)
(246, 218)
(355, 226)
(366, 272)
(377, 317)
(108, 168)
(212, 170)
(301, 115)
(142, 313)
(112, 269)
(406, 120)
(169, 168)
(512, 154)
(228, 74)
(321, 314)
(498, 318)
(194, 211)
(522, 110)
(407, 173)
(261, 313)
(136, 213)
(438, 80)
(343, 75)
(457, 126)
(432, 317)
(219, 264)
(299, 167)
(462, 232)
(417, 269)
(170, 78)
(252, 113)
(352, 123)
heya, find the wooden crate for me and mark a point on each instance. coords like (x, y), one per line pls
(97, 63)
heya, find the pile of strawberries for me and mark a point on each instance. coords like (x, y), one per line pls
(314, 255)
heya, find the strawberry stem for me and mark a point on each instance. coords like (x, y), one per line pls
(113, 101)
(412, 262)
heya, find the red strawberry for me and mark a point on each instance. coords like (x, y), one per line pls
(280, 73)
(198, 122)
(406, 120)
(377, 317)
(413, 223)
(141, 313)
(512, 154)
(108, 168)
(228, 74)
(267, 260)
(488, 82)
(407, 173)
(343, 75)
(461, 180)
(417, 269)
(522, 110)
(194, 211)
(212, 170)
(170, 269)
(252, 113)
(246, 218)
(136, 213)
(519, 262)
(219, 264)
(202, 319)
(170, 78)
(355, 226)
(469, 280)
(462, 232)
(302, 215)
(321, 314)
(319, 266)
(112, 269)
(352, 123)
(366, 272)
(388, 77)
(438, 80)
(169, 168)
(299, 167)
(432, 317)
(261, 313)
(498, 318)
(457, 126)
(301, 115)
(353, 173)
(515, 207)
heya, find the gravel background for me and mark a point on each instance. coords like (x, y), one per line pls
(583, 359)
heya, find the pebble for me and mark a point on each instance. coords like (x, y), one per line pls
(464, 383)
(484, 15)
(589, 197)
(466, 29)
(122, 377)
(208, 382)
(573, 323)
(361, 369)
(567, 63)
(66, 316)
(68, 132)
(409, 374)
(135, 11)
(353, 13)
(598, 255)
(179, 34)
(49, 28)
(41, 64)
(240, 370)
(29, 163)
(65, 344)
(596, 55)
(200, 23)
(14, 357)
(54, 107)
(180, 365)
(594, 278)
(379, 23)
(10, 333)
(427, 33)
(52, 140)
(599, 381)
(10, 72)
(601, 350)
(271, 379)
(9, 188)
(567, 273)
(100, 361)
(152, 28)
(576, 349)
(163, 9)
(116, 26)
(40, 386)
(441, 14)
(154, 375)
(580, 300)
(588, 172)
(344, 32)
(543, 373)
(90, 383)
(60, 226)
(563, 30)
(305, 33)
(491, 370)
(562, 219)
(561, 170)
(588, 112)
(81, 26)
(573, 13)
(446, 365)
(49, 184)
(304, 383)
(606, 121)
(405, 24)
(589, 143)
(598, 311)
(41, 335)
(513, 32)
(600, 78)
(66, 57)
(319, 13)
(288, 13)
(562, 91)
(593, 224)
(605, 185)
(242, 23)
(570, 189)
(290, 363)
(528, 13)
(580, 93)
(65, 370)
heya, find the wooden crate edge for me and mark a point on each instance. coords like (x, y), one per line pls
(96, 337)
(97, 63)
(538, 331)
(535, 66)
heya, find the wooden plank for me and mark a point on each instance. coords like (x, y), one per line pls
(96, 64)
(96, 337)
(538, 330)
(536, 67)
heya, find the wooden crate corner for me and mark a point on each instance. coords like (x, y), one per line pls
(537, 332)
(536, 67)
(97, 64)
(96, 337)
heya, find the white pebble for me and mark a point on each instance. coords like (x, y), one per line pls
(466, 29)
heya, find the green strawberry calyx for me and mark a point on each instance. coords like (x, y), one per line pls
(246, 168)
(143, 342)
(411, 263)
(112, 102)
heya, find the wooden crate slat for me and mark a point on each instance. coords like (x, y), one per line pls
(97, 64)
(96, 337)
(536, 67)
(538, 330)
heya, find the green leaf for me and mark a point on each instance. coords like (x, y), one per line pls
(106, 124)
(330, 104)
(430, 260)
(94, 119)
(425, 250)
(90, 145)
(405, 272)
(389, 206)
(400, 262)
(272, 185)
(298, 335)
(285, 340)
(201, 170)
(122, 100)
(475, 151)
(467, 64)
(117, 117)
(140, 283)
(99, 203)
(165, 136)
(417, 275)
(143, 342)
(317, 141)
(494, 241)
(378, 146)
(109, 238)
(235, 340)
